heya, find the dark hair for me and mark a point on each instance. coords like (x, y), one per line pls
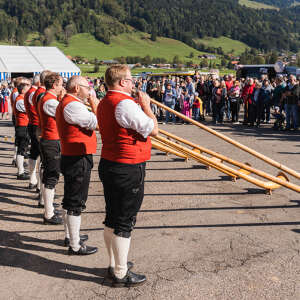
(50, 79)
(21, 87)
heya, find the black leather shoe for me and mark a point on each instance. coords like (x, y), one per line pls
(130, 279)
(14, 163)
(58, 212)
(55, 220)
(40, 205)
(83, 250)
(23, 176)
(38, 190)
(83, 238)
(110, 270)
(32, 186)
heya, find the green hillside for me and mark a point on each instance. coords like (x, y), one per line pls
(256, 5)
(127, 44)
(226, 43)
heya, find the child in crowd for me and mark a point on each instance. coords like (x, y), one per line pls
(185, 102)
(234, 98)
(198, 108)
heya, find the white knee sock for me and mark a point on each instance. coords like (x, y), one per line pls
(32, 171)
(39, 183)
(120, 247)
(108, 234)
(74, 229)
(15, 153)
(48, 202)
(41, 201)
(20, 164)
(67, 234)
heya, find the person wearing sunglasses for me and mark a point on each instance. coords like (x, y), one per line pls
(76, 128)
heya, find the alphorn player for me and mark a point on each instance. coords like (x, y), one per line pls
(125, 125)
(76, 125)
(21, 123)
(50, 144)
(13, 96)
(32, 126)
(36, 120)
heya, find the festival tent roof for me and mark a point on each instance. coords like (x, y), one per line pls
(22, 59)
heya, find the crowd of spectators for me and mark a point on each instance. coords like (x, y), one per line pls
(249, 101)
(224, 99)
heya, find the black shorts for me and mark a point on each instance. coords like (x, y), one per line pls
(124, 192)
(77, 174)
(35, 147)
(50, 155)
(22, 140)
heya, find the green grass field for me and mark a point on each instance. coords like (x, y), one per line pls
(127, 44)
(88, 70)
(256, 5)
(226, 43)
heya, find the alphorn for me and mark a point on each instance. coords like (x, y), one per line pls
(275, 182)
(231, 141)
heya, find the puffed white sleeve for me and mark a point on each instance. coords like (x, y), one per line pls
(76, 113)
(20, 106)
(50, 106)
(130, 115)
(30, 98)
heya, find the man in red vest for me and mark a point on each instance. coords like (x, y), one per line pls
(50, 144)
(125, 125)
(36, 121)
(76, 125)
(13, 96)
(32, 126)
(21, 122)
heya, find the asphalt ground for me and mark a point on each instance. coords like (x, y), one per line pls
(198, 236)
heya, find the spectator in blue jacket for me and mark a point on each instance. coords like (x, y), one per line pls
(169, 99)
(265, 97)
(278, 91)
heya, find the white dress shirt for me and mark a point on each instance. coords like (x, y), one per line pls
(20, 106)
(14, 96)
(131, 116)
(76, 113)
(50, 105)
(31, 96)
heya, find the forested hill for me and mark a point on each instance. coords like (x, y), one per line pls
(279, 3)
(184, 20)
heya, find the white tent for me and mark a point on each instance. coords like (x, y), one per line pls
(33, 60)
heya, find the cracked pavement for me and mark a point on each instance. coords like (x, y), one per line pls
(198, 236)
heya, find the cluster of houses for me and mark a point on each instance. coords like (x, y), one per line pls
(234, 60)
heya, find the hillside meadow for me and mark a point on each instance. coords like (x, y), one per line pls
(228, 45)
(127, 44)
(256, 5)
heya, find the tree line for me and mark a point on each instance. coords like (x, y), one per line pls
(182, 20)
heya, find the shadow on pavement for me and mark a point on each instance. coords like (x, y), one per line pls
(5, 186)
(10, 201)
(228, 225)
(16, 258)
